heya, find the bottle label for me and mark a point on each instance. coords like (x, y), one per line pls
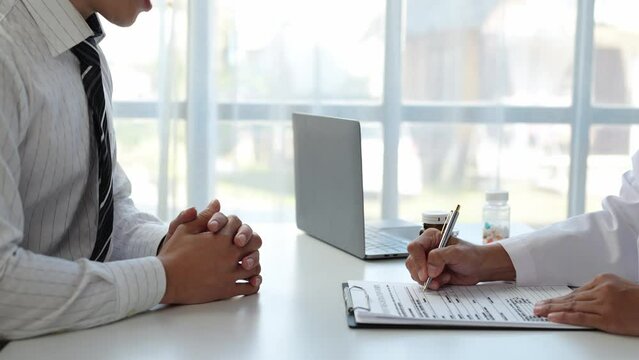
(494, 233)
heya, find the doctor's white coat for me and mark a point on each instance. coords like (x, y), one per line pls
(574, 251)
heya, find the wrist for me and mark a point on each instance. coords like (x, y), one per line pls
(496, 264)
(157, 252)
(168, 293)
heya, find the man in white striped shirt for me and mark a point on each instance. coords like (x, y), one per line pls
(49, 201)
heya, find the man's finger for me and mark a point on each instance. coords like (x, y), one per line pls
(570, 306)
(412, 269)
(255, 280)
(418, 256)
(217, 221)
(243, 235)
(199, 224)
(441, 280)
(577, 318)
(185, 216)
(231, 227)
(204, 215)
(253, 245)
(439, 258)
(251, 260)
(215, 206)
(249, 288)
(589, 286)
(419, 249)
(573, 296)
(242, 273)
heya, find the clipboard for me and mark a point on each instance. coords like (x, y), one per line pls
(348, 304)
(357, 299)
(352, 322)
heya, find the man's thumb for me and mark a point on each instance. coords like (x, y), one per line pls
(200, 223)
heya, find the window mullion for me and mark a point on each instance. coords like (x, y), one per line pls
(582, 109)
(392, 107)
(200, 111)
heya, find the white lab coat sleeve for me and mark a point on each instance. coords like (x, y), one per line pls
(574, 251)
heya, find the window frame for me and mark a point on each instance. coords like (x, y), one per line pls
(581, 114)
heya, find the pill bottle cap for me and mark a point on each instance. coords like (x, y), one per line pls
(497, 196)
(434, 217)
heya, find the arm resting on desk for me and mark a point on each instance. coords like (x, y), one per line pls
(574, 251)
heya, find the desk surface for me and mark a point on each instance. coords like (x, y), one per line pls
(299, 313)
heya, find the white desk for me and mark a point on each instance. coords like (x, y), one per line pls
(299, 314)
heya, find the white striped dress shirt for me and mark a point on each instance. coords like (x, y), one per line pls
(48, 187)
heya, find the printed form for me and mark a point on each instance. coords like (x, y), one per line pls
(497, 304)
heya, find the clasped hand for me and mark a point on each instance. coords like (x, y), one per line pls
(209, 256)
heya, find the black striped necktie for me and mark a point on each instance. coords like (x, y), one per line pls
(89, 58)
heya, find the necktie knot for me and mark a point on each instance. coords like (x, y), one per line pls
(87, 53)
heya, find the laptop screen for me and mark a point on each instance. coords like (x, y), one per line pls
(328, 180)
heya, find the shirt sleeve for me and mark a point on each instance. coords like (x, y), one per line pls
(135, 233)
(41, 294)
(574, 251)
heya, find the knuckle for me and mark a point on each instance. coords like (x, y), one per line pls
(220, 216)
(607, 289)
(455, 250)
(413, 247)
(234, 219)
(430, 232)
(258, 241)
(434, 257)
(258, 269)
(205, 213)
(414, 276)
(608, 276)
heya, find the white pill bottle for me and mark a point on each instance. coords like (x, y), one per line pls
(496, 217)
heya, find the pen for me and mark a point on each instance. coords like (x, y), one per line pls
(448, 229)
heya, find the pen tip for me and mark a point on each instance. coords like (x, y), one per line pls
(457, 208)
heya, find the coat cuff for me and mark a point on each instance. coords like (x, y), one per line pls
(518, 248)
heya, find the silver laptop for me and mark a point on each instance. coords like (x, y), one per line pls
(329, 192)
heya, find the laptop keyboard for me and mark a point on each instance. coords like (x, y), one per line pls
(380, 242)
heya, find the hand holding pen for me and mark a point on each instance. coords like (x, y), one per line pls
(455, 261)
(449, 225)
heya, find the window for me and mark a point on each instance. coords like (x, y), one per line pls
(533, 96)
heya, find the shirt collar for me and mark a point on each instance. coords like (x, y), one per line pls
(62, 25)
